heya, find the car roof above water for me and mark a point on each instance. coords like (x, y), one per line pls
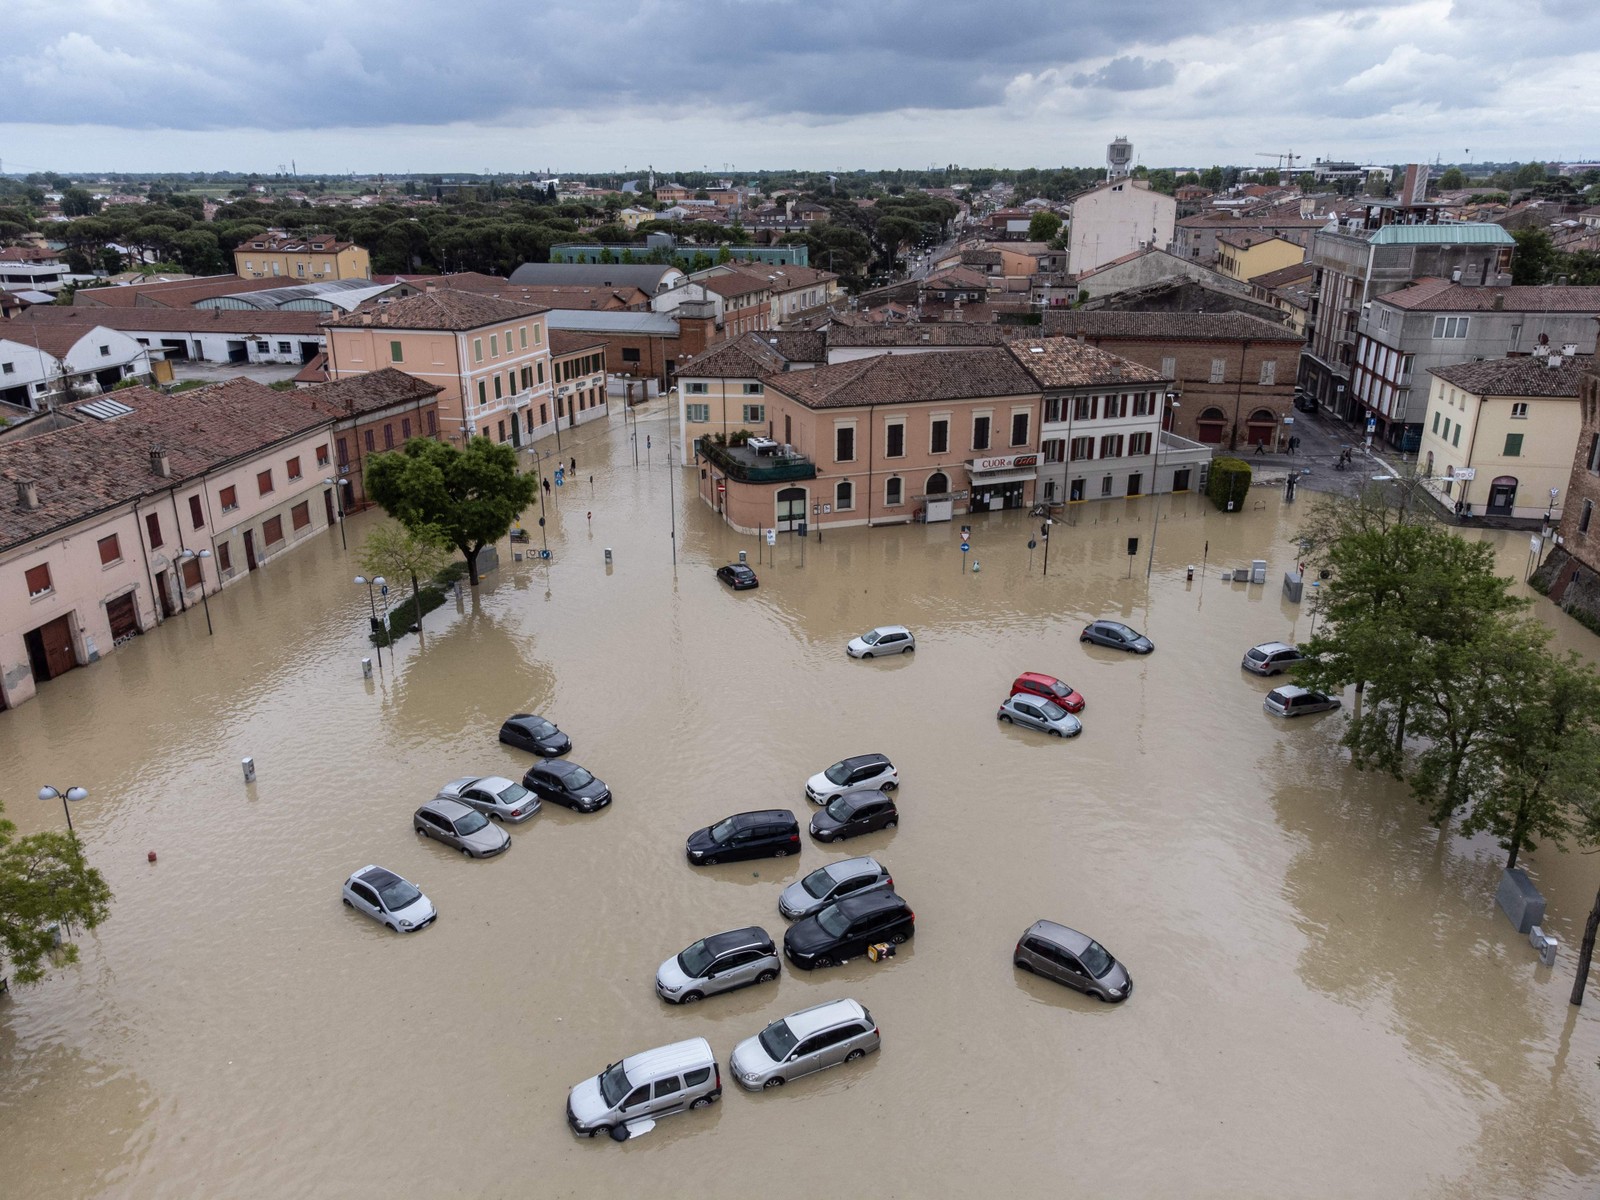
(740, 939)
(823, 1016)
(668, 1060)
(1064, 936)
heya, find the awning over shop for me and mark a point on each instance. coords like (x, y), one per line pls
(993, 477)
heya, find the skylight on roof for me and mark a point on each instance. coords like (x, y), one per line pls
(104, 410)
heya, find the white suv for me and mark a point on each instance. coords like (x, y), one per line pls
(863, 773)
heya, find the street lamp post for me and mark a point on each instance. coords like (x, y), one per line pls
(72, 793)
(338, 500)
(1155, 520)
(1045, 532)
(200, 557)
(376, 581)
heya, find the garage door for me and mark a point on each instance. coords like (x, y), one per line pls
(124, 617)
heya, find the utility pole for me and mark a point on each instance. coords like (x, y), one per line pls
(1586, 951)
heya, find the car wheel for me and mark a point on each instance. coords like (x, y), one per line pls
(1020, 965)
(712, 861)
(347, 903)
(780, 854)
(391, 925)
(701, 1102)
(775, 1082)
(1005, 719)
(766, 977)
(821, 961)
(465, 853)
(908, 650)
(824, 837)
(889, 786)
(890, 824)
(898, 939)
(421, 832)
(855, 1054)
(1100, 996)
(619, 1133)
(1055, 733)
(494, 816)
(691, 998)
(868, 654)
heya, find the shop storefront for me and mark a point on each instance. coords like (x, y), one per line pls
(1002, 481)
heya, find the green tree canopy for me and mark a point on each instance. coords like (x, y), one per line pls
(1534, 258)
(470, 497)
(1452, 180)
(44, 883)
(394, 550)
(1043, 226)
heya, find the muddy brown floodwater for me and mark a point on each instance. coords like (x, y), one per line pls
(1328, 1003)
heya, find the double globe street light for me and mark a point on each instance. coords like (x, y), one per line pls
(74, 794)
(377, 581)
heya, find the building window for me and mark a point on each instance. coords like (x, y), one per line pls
(1594, 453)
(405, 429)
(1111, 446)
(191, 573)
(1583, 520)
(1450, 327)
(196, 512)
(344, 452)
(522, 336)
(105, 351)
(322, 455)
(494, 345)
(500, 430)
(110, 550)
(38, 580)
(272, 530)
(395, 353)
(300, 514)
(264, 482)
(1169, 364)
(483, 393)
(630, 354)
(844, 496)
(1269, 372)
(388, 436)
(152, 525)
(893, 491)
(477, 349)
(939, 436)
(370, 439)
(284, 348)
(694, 389)
(754, 414)
(894, 440)
(1513, 447)
(1055, 450)
(1105, 486)
(1138, 443)
(980, 433)
(1019, 429)
(538, 335)
(700, 413)
(1519, 412)
(433, 425)
(1456, 441)
(539, 367)
(1082, 449)
(224, 557)
(228, 498)
(1436, 420)
(1219, 370)
(294, 468)
(1085, 407)
(1144, 404)
(844, 444)
(755, 389)
(1116, 408)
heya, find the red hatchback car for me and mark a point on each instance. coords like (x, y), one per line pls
(1047, 687)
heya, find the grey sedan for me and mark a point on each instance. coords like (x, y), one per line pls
(1073, 958)
(461, 827)
(1116, 635)
(1033, 712)
(832, 882)
(493, 796)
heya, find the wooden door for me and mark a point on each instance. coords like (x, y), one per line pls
(56, 639)
(123, 617)
(250, 549)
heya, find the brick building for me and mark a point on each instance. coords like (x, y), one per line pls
(1572, 572)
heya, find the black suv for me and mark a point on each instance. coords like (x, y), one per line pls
(568, 784)
(528, 731)
(845, 929)
(852, 814)
(770, 833)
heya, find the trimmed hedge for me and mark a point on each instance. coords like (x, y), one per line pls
(1230, 480)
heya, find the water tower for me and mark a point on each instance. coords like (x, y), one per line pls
(1119, 156)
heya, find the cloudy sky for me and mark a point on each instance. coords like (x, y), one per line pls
(591, 85)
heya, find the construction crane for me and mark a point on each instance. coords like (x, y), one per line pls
(1285, 161)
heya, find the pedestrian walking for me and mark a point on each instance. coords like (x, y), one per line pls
(1261, 448)
(547, 485)
(574, 467)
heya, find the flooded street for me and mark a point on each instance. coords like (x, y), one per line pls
(1327, 1001)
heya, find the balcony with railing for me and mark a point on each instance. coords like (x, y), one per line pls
(764, 463)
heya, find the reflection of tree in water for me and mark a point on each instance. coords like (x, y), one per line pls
(467, 678)
(1394, 913)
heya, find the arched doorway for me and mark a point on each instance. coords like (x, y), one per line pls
(938, 484)
(791, 508)
(1502, 496)
(1209, 426)
(1260, 428)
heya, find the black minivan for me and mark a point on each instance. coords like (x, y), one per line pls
(769, 833)
(846, 928)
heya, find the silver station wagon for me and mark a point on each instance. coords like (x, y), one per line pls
(813, 1039)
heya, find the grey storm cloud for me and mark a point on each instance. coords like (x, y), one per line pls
(1128, 75)
(296, 64)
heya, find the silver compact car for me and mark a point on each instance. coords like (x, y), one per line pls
(1270, 658)
(389, 899)
(1116, 635)
(460, 827)
(810, 1040)
(1073, 958)
(1035, 712)
(719, 963)
(833, 882)
(493, 796)
(1286, 700)
(885, 639)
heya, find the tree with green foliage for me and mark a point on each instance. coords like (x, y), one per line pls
(1043, 226)
(77, 202)
(45, 886)
(1211, 177)
(1229, 483)
(1534, 257)
(1452, 180)
(393, 550)
(468, 498)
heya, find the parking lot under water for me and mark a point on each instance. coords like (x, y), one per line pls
(1327, 1001)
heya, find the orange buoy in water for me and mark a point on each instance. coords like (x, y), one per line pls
(151, 856)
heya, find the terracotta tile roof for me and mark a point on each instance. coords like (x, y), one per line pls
(441, 308)
(376, 390)
(1243, 239)
(1061, 362)
(1529, 375)
(747, 356)
(315, 371)
(798, 345)
(1283, 276)
(293, 243)
(1443, 296)
(564, 342)
(1165, 326)
(784, 277)
(55, 340)
(929, 333)
(29, 254)
(962, 278)
(92, 465)
(173, 293)
(908, 378)
(1266, 220)
(980, 258)
(728, 286)
(288, 322)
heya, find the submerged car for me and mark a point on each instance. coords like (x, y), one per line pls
(493, 796)
(719, 963)
(568, 784)
(529, 731)
(854, 814)
(836, 880)
(1289, 701)
(1116, 635)
(1032, 712)
(1270, 658)
(641, 1087)
(1047, 687)
(812, 1039)
(738, 576)
(389, 899)
(863, 773)
(461, 827)
(885, 639)
(1073, 958)
(767, 833)
(845, 928)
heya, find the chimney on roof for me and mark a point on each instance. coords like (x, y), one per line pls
(1499, 301)
(429, 289)
(160, 464)
(27, 495)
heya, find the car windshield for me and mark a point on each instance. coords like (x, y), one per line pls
(818, 884)
(614, 1085)
(1095, 960)
(838, 773)
(1052, 711)
(540, 728)
(695, 960)
(471, 823)
(577, 778)
(871, 637)
(839, 808)
(511, 795)
(723, 830)
(777, 1040)
(399, 894)
(1060, 689)
(833, 921)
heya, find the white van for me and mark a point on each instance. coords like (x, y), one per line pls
(643, 1087)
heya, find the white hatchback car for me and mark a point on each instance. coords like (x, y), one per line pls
(389, 899)
(885, 639)
(862, 773)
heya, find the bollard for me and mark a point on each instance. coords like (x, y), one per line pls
(366, 668)
(150, 857)
(608, 555)
(743, 558)
(249, 765)
(1191, 572)
(976, 566)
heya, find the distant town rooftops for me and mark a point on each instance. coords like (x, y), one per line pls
(1553, 376)
(1441, 295)
(1166, 326)
(1062, 362)
(904, 378)
(437, 308)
